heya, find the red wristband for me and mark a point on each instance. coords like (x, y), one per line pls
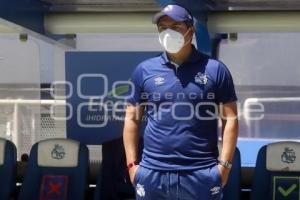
(130, 165)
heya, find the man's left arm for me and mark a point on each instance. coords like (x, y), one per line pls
(228, 114)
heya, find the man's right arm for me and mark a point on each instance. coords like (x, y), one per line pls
(133, 117)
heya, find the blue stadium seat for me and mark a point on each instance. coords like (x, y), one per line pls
(57, 169)
(277, 172)
(8, 160)
(113, 182)
(232, 190)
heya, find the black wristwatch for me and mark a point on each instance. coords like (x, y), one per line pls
(225, 164)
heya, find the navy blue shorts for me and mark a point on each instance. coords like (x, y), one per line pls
(204, 184)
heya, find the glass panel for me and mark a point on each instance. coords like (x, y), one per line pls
(266, 73)
(26, 62)
(19, 90)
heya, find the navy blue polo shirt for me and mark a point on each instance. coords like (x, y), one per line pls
(181, 104)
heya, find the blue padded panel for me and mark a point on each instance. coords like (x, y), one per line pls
(232, 190)
(8, 171)
(113, 181)
(263, 181)
(78, 176)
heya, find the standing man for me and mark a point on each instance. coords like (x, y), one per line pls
(183, 93)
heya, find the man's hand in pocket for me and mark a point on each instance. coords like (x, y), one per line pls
(132, 172)
(224, 172)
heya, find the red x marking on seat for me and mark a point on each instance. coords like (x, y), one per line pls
(54, 188)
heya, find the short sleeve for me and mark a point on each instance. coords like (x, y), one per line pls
(225, 92)
(136, 87)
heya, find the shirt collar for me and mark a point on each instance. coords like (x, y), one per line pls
(194, 57)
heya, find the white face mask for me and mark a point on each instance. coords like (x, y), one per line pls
(172, 41)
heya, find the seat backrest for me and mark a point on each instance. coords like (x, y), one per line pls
(113, 180)
(277, 172)
(232, 190)
(8, 161)
(57, 169)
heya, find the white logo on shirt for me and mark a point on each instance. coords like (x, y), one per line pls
(140, 190)
(201, 78)
(159, 80)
